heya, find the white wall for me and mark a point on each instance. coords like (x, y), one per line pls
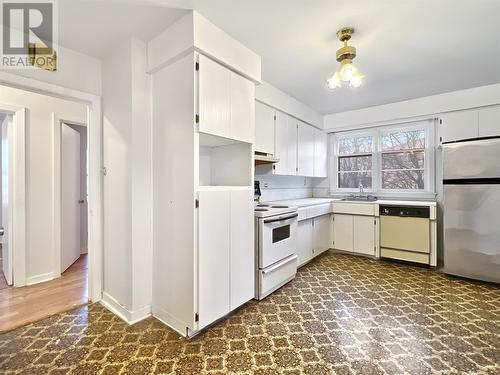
(74, 71)
(275, 188)
(421, 107)
(272, 96)
(128, 183)
(39, 174)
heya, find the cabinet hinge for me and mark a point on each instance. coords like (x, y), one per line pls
(197, 119)
(196, 203)
(274, 117)
(104, 171)
(296, 169)
(375, 221)
(196, 317)
(197, 66)
(440, 121)
(274, 167)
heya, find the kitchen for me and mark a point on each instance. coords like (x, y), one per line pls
(308, 209)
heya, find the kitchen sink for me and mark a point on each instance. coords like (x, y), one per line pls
(360, 198)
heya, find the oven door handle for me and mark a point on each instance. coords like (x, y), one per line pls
(281, 218)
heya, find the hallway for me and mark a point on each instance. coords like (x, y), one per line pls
(20, 306)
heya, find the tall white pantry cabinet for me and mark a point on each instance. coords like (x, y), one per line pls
(203, 134)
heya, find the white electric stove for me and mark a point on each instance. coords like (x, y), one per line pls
(275, 247)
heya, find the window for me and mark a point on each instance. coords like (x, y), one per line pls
(355, 160)
(403, 160)
(391, 159)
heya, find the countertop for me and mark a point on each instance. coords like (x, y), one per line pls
(305, 202)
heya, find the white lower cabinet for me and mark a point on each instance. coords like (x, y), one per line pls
(322, 234)
(225, 253)
(354, 233)
(343, 227)
(364, 235)
(305, 246)
(315, 237)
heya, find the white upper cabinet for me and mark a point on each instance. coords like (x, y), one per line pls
(292, 146)
(489, 121)
(214, 98)
(226, 102)
(305, 147)
(320, 154)
(281, 143)
(264, 128)
(242, 109)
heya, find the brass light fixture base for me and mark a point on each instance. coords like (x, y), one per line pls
(346, 52)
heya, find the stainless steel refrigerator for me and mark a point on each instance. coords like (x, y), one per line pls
(471, 179)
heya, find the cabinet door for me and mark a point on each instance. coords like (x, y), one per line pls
(242, 257)
(242, 109)
(343, 232)
(213, 256)
(281, 143)
(292, 146)
(264, 128)
(305, 149)
(459, 125)
(320, 153)
(305, 246)
(321, 234)
(364, 235)
(214, 98)
(489, 121)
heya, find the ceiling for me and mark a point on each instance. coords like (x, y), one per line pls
(406, 49)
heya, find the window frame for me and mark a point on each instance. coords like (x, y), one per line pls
(428, 126)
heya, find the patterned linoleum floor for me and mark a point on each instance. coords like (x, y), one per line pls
(341, 315)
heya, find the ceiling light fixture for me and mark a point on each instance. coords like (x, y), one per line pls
(345, 55)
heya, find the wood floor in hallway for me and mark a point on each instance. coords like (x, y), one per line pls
(20, 306)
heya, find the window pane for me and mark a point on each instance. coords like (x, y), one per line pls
(403, 160)
(353, 179)
(403, 180)
(403, 140)
(355, 163)
(355, 145)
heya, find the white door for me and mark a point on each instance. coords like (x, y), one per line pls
(364, 235)
(320, 154)
(322, 234)
(70, 196)
(214, 225)
(264, 128)
(214, 98)
(305, 157)
(281, 143)
(292, 145)
(305, 245)
(459, 125)
(6, 157)
(343, 232)
(242, 109)
(242, 255)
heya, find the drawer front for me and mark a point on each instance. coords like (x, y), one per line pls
(404, 255)
(318, 210)
(276, 275)
(354, 208)
(405, 233)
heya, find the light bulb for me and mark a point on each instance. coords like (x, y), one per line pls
(356, 80)
(334, 81)
(347, 71)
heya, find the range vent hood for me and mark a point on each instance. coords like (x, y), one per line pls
(261, 158)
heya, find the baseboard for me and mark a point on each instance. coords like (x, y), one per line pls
(130, 317)
(169, 320)
(39, 278)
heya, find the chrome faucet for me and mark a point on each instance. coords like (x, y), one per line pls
(361, 190)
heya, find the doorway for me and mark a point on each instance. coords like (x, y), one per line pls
(74, 221)
(6, 258)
